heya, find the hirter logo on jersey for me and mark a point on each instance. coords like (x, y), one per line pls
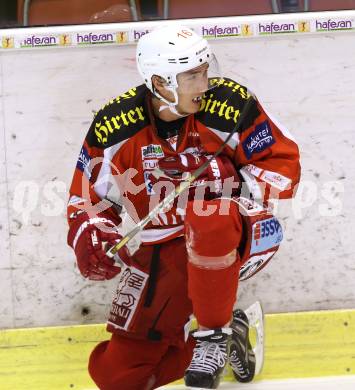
(260, 139)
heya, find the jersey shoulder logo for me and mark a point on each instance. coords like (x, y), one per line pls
(119, 119)
(260, 139)
(221, 106)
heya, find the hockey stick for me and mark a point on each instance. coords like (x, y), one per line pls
(182, 187)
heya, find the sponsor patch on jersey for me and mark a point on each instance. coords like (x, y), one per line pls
(150, 164)
(266, 235)
(150, 155)
(259, 140)
(254, 170)
(128, 295)
(152, 151)
(148, 182)
(248, 206)
(75, 200)
(84, 162)
(276, 180)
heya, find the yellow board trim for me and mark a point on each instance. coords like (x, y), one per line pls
(298, 345)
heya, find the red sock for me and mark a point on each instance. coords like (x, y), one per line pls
(213, 289)
(213, 294)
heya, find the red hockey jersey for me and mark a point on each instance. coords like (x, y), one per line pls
(122, 148)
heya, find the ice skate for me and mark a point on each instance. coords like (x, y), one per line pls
(209, 358)
(241, 354)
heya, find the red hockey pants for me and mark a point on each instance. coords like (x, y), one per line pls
(129, 364)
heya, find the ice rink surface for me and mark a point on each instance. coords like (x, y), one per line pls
(325, 383)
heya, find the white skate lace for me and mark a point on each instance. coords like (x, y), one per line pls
(237, 364)
(208, 357)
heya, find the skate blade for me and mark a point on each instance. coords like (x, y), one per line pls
(256, 321)
(202, 388)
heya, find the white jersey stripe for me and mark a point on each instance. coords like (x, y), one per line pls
(233, 142)
(154, 235)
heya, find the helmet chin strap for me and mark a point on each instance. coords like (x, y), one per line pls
(169, 105)
(172, 109)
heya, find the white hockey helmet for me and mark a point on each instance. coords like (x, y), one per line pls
(170, 50)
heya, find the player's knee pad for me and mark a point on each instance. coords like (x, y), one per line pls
(262, 236)
(213, 231)
(232, 228)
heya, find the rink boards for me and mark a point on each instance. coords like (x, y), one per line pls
(47, 99)
(298, 345)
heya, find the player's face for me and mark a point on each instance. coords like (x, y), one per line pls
(191, 87)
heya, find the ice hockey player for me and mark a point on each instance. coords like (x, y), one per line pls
(189, 258)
